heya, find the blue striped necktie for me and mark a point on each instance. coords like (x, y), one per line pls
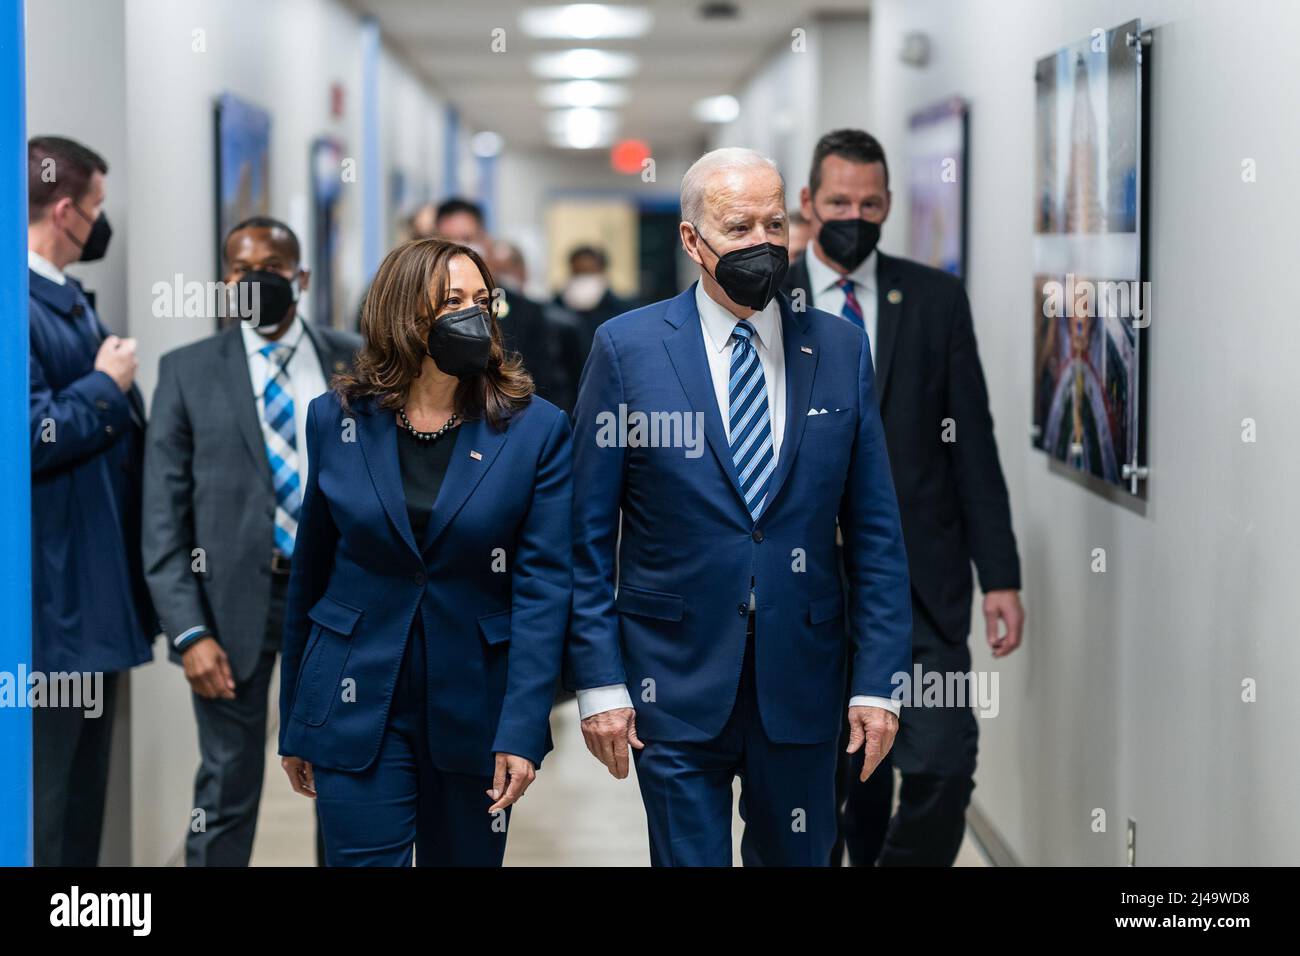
(750, 424)
(281, 439)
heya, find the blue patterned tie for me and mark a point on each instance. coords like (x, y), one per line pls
(852, 308)
(750, 425)
(281, 448)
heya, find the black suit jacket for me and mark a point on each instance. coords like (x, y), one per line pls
(537, 331)
(952, 495)
(207, 484)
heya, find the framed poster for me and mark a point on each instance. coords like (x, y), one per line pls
(937, 172)
(326, 192)
(243, 165)
(1091, 300)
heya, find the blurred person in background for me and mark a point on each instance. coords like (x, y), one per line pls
(799, 233)
(225, 463)
(91, 612)
(951, 493)
(539, 331)
(587, 294)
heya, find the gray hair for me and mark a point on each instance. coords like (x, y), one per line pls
(703, 169)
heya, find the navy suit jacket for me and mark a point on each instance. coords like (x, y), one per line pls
(492, 580)
(675, 628)
(90, 605)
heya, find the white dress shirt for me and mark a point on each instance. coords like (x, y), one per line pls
(306, 380)
(716, 324)
(44, 267)
(827, 295)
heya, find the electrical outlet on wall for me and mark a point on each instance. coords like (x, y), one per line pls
(1130, 842)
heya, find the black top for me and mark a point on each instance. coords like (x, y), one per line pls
(424, 465)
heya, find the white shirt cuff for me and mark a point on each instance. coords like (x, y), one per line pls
(884, 703)
(596, 700)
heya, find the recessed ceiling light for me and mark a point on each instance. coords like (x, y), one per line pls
(582, 128)
(584, 64)
(716, 109)
(585, 21)
(485, 144)
(582, 93)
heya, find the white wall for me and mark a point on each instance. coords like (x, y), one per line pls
(64, 99)
(1127, 695)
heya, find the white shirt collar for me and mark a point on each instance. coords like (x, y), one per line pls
(822, 277)
(44, 267)
(255, 342)
(719, 323)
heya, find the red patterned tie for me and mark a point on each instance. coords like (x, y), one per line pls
(852, 309)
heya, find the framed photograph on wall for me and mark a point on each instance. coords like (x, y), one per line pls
(1091, 299)
(326, 194)
(243, 165)
(937, 170)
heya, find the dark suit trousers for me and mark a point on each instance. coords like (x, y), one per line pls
(402, 801)
(70, 756)
(232, 747)
(935, 753)
(787, 792)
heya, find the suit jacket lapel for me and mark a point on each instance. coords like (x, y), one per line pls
(889, 310)
(800, 368)
(476, 448)
(240, 383)
(686, 352)
(377, 436)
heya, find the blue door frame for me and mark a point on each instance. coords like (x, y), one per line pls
(15, 451)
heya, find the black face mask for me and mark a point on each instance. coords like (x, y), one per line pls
(96, 243)
(848, 241)
(460, 343)
(750, 276)
(269, 295)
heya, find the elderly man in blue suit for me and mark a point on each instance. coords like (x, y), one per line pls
(708, 636)
(91, 611)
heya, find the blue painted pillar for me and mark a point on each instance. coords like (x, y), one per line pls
(450, 152)
(372, 176)
(15, 453)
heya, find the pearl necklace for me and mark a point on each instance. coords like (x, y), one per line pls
(427, 436)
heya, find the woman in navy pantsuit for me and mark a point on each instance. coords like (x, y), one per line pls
(431, 577)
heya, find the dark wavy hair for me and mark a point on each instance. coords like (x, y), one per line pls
(409, 289)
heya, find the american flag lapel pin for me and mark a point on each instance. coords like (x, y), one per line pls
(477, 456)
(805, 350)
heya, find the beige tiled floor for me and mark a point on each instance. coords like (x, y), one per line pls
(575, 814)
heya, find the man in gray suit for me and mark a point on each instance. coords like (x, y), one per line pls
(225, 462)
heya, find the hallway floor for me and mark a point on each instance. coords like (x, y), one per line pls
(575, 814)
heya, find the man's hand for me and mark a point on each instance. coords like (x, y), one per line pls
(608, 735)
(1003, 606)
(301, 777)
(520, 773)
(877, 727)
(116, 358)
(208, 669)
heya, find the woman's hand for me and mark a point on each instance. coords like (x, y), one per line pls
(300, 774)
(521, 774)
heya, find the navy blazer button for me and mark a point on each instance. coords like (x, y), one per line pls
(108, 429)
(418, 578)
(743, 610)
(758, 536)
(101, 404)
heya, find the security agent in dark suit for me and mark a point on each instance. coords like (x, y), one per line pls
(90, 607)
(223, 472)
(537, 331)
(951, 493)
